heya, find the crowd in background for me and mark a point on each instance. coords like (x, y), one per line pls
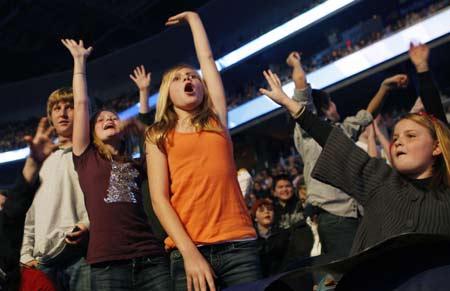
(340, 45)
(122, 211)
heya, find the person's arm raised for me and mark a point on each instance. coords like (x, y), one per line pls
(41, 146)
(318, 129)
(383, 141)
(298, 74)
(428, 90)
(81, 137)
(371, 142)
(142, 80)
(394, 82)
(277, 94)
(206, 60)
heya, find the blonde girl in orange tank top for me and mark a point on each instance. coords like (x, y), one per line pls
(192, 177)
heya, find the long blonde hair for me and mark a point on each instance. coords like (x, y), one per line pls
(203, 119)
(440, 132)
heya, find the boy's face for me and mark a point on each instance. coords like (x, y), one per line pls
(264, 215)
(283, 190)
(62, 118)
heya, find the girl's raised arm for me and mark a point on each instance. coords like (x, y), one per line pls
(80, 137)
(206, 59)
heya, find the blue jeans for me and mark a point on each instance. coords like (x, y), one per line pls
(336, 234)
(73, 275)
(234, 263)
(144, 273)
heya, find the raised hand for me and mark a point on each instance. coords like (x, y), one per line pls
(294, 59)
(41, 145)
(180, 18)
(419, 56)
(396, 82)
(77, 50)
(298, 74)
(141, 78)
(275, 93)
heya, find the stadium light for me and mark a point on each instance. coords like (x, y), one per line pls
(350, 65)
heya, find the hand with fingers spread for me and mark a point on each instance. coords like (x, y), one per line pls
(275, 93)
(141, 78)
(77, 50)
(396, 82)
(199, 273)
(419, 56)
(181, 17)
(41, 145)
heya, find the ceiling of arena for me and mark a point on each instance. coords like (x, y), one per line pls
(30, 30)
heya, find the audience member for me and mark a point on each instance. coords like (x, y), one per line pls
(13, 208)
(57, 223)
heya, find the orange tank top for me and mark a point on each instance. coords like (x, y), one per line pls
(204, 190)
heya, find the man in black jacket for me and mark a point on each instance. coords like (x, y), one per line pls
(15, 203)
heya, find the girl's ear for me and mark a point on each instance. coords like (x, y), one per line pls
(437, 150)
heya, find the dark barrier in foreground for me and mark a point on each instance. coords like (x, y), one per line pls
(408, 262)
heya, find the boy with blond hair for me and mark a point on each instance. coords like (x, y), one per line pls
(57, 223)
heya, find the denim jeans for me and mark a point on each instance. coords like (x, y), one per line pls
(144, 273)
(73, 275)
(336, 234)
(233, 263)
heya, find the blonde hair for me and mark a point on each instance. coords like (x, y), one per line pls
(440, 132)
(204, 118)
(64, 94)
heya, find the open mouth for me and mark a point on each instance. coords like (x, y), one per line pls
(400, 154)
(188, 88)
(108, 126)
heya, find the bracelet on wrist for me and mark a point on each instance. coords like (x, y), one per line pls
(299, 113)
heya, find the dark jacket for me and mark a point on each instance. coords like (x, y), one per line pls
(12, 218)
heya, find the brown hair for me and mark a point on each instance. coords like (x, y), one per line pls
(258, 203)
(125, 147)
